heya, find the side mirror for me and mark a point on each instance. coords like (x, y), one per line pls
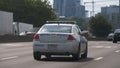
(84, 33)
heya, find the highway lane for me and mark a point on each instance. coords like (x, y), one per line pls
(101, 54)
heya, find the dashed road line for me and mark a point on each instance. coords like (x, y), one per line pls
(10, 45)
(99, 58)
(97, 46)
(7, 58)
(117, 51)
(107, 47)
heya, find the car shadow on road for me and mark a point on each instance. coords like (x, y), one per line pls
(66, 59)
(118, 43)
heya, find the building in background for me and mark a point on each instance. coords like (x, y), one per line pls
(69, 8)
(111, 13)
(58, 5)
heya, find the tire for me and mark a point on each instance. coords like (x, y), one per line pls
(77, 55)
(114, 41)
(84, 56)
(37, 55)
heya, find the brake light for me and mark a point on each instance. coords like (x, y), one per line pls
(70, 37)
(36, 37)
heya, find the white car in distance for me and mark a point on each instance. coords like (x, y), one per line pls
(60, 38)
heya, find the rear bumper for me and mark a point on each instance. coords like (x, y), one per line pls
(117, 38)
(55, 53)
(57, 49)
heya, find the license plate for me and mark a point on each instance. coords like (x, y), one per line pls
(40, 45)
(52, 46)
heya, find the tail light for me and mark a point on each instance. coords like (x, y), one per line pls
(70, 37)
(36, 37)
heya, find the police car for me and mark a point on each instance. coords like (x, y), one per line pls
(60, 38)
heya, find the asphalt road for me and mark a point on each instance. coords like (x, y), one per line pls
(101, 54)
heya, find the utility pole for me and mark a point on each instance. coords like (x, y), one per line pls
(93, 12)
(93, 8)
(119, 13)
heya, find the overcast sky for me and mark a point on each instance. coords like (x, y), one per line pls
(98, 4)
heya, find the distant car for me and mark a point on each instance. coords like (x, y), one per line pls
(30, 32)
(59, 38)
(110, 36)
(116, 36)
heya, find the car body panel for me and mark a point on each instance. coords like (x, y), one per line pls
(116, 36)
(110, 36)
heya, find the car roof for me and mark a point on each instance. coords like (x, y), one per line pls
(117, 31)
(67, 22)
(111, 33)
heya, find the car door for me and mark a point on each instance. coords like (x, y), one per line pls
(82, 40)
(77, 36)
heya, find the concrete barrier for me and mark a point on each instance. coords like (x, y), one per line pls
(12, 38)
(29, 38)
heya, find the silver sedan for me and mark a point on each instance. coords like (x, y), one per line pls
(59, 39)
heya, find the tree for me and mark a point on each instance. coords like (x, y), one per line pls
(99, 26)
(35, 12)
(80, 22)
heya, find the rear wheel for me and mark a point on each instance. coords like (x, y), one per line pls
(83, 56)
(37, 55)
(77, 55)
(114, 41)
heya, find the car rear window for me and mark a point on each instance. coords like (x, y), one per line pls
(117, 31)
(56, 28)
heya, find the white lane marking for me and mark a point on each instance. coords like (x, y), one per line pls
(102, 47)
(117, 51)
(97, 46)
(7, 44)
(12, 45)
(108, 47)
(7, 58)
(99, 58)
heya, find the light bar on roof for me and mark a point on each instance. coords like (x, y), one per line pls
(63, 22)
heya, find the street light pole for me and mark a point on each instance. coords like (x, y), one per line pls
(119, 13)
(93, 7)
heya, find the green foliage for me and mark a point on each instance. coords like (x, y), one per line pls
(35, 12)
(99, 26)
(80, 22)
